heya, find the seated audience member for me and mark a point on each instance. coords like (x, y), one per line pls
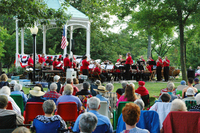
(129, 94)
(178, 105)
(162, 108)
(4, 112)
(68, 97)
(21, 130)
(131, 116)
(170, 87)
(183, 82)
(95, 86)
(87, 123)
(121, 91)
(197, 72)
(101, 90)
(3, 80)
(84, 95)
(40, 85)
(190, 82)
(111, 96)
(190, 95)
(49, 108)
(52, 94)
(75, 89)
(197, 98)
(36, 95)
(94, 106)
(75, 81)
(196, 81)
(5, 90)
(17, 91)
(143, 92)
(166, 89)
(12, 84)
(140, 103)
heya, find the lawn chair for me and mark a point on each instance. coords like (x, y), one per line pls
(190, 103)
(7, 123)
(101, 129)
(104, 109)
(179, 89)
(198, 87)
(68, 111)
(19, 101)
(9, 106)
(32, 110)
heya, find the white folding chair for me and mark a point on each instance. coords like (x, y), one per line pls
(197, 86)
(104, 109)
(181, 87)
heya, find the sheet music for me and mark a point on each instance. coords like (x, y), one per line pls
(91, 66)
(59, 65)
(79, 60)
(103, 66)
(109, 67)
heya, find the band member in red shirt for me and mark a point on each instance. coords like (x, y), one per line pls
(119, 60)
(55, 63)
(59, 65)
(66, 62)
(128, 63)
(166, 64)
(150, 59)
(98, 70)
(147, 72)
(30, 61)
(85, 65)
(142, 59)
(41, 59)
(159, 68)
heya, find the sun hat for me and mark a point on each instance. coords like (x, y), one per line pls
(13, 82)
(36, 92)
(190, 91)
(97, 82)
(101, 89)
(56, 78)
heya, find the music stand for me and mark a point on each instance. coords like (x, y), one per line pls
(141, 67)
(134, 67)
(152, 63)
(123, 61)
(140, 62)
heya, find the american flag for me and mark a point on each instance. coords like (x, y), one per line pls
(64, 40)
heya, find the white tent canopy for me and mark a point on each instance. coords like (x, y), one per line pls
(78, 20)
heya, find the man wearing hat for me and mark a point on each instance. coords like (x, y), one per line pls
(4, 112)
(196, 81)
(95, 86)
(36, 95)
(190, 95)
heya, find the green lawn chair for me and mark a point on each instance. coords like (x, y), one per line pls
(19, 101)
(189, 104)
(117, 113)
(179, 92)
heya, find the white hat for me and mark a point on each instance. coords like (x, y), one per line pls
(56, 78)
(13, 82)
(190, 91)
(36, 92)
(101, 89)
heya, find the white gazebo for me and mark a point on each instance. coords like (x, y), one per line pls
(77, 20)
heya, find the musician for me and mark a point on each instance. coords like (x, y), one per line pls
(30, 61)
(147, 72)
(159, 64)
(66, 62)
(59, 65)
(150, 59)
(49, 61)
(55, 63)
(166, 64)
(142, 59)
(128, 63)
(41, 59)
(119, 60)
(98, 70)
(85, 65)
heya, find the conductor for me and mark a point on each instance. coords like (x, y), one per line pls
(128, 63)
(159, 68)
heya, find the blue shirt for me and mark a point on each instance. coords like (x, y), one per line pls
(69, 98)
(20, 93)
(137, 130)
(36, 99)
(101, 120)
(172, 97)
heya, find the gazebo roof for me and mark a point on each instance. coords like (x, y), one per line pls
(56, 4)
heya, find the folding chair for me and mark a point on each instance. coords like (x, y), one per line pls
(104, 109)
(68, 111)
(9, 106)
(7, 123)
(32, 110)
(101, 129)
(19, 101)
(189, 104)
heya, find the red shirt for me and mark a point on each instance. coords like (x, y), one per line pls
(30, 60)
(129, 60)
(143, 60)
(41, 60)
(165, 64)
(85, 64)
(149, 68)
(96, 69)
(151, 65)
(55, 63)
(70, 64)
(52, 94)
(59, 67)
(119, 60)
(158, 63)
(66, 62)
(142, 91)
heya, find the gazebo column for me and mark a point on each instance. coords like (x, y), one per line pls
(22, 40)
(17, 44)
(71, 37)
(44, 39)
(88, 41)
(65, 50)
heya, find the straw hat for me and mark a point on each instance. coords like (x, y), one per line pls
(36, 92)
(101, 89)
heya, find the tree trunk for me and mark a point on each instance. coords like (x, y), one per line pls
(182, 46)
(149, 46)
(0, 67)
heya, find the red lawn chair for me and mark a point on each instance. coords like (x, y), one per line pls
(9, 106)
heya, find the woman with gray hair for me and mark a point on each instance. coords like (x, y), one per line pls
(5, 90)
(17, 91)
(178, 105)
(68, 97)
(111, 96)
(88, 122)
(48, 108)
